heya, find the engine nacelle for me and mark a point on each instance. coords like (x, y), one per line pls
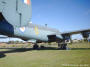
(85, 34)
(55, 38)
(67, 38)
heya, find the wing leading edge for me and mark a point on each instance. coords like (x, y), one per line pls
(85, 33)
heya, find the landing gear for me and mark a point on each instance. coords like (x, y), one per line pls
(42, 47)
(62, 46)
(35, 46)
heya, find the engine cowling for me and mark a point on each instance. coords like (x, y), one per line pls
(85, 34)
(67, 37)
(55, 38)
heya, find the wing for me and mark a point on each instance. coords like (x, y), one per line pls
(85, 33)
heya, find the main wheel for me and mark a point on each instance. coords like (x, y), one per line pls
(35, 46)
(42, 47)
(62, 46)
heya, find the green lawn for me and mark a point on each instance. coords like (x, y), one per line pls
(79, 45)
(45, 58)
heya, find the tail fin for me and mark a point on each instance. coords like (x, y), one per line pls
(17, 12)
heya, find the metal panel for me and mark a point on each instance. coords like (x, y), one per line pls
(10, 14)
(16, 12)
(44, 28)
(24, 11)
(2, 3)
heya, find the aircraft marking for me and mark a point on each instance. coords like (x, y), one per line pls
(36, 30)
(22, 29)
(26, 2)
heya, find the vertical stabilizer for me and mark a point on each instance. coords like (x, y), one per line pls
(17, 12)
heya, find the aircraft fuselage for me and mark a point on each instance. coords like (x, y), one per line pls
(29, 32)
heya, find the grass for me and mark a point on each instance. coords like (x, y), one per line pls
(79, 45)
(45, 58)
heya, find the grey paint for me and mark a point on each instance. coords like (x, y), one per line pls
(30, 33)
(17, 15)
(16, 12)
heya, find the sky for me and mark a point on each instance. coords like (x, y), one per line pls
(64, 15)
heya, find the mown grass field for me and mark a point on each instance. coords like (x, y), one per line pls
(79, 45)
(44, 58)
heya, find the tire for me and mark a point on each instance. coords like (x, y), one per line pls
(35, 46)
